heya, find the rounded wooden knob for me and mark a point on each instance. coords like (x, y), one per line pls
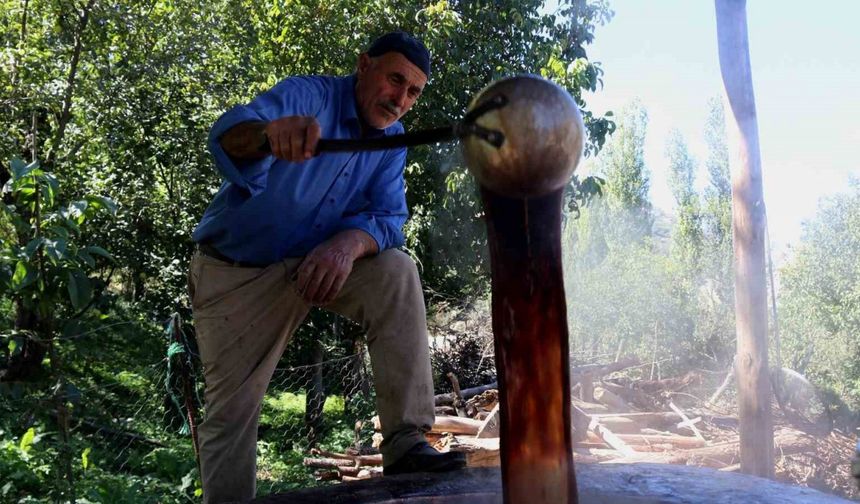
(543, 133)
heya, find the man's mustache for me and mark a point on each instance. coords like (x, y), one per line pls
(391, 107)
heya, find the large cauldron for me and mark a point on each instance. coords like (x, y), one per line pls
(543, 138)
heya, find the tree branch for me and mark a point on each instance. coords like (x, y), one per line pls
(66, 114)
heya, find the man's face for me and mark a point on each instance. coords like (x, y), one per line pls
(388, 86)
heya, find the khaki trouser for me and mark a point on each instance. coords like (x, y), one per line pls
(244, 318)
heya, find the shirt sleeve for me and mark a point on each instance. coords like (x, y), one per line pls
(304, 96)
(386, 212)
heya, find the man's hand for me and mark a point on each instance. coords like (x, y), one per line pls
(293, 138)
(323, 272)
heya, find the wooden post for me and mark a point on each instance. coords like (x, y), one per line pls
(748, 231)
(522, 182)
(530, 330)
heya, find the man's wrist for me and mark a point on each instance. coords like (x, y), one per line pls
(246, 140)
(357, 242)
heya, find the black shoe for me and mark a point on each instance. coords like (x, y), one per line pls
(424, 458)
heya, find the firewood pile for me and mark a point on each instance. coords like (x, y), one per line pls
(352, 465)
(622, 420)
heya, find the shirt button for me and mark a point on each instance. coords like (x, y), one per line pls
(317, 226)
(345, 174)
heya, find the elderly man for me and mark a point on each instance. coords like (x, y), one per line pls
(291, 230)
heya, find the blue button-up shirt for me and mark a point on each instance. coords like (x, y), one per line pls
(270, 209)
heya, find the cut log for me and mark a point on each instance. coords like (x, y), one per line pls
(445, 410)
(612, 400)
(729, 376)
(483, 402)
(327, 463)
(431, 437)
(484, 452)
(452, 424)
(369, 460)
(456, 425)
(686, 421)
(330, 454)
(667, 384)
(370, 473)
(459, 403)
(590, 407)
(357, 460)
(654, 419)
(586, 387)
(321, 475)
(490, 426)
(443, 399)
(581, 420)
(633, 396)
(480, 452)
(593, 445)
(786, 441)
(621, 425)
(601, 454)
(348, 471)
(679, 442)
(600, 370)
(610, 438)
(647, 442)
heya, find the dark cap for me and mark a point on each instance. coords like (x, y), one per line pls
(405, 44)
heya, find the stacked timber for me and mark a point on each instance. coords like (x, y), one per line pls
(616, 419)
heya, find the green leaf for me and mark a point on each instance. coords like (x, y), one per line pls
(80, 289)
(24, 275)
(73, 226)
(93, 249)
(25, 190)
(72, 328)
(61, 232)
(73, 394)
(86, 258)
(21, 169)
(102, 202)
(77, 212)
(27, 440)
(56, 249)
(33, 246)
(49, 190)
(85, 458)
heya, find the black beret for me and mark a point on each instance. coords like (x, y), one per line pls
(405, 44)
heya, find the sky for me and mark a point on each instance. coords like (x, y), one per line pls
(806, 75)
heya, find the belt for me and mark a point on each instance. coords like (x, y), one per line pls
(210, 251)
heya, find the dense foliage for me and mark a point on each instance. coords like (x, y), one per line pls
(820, 299)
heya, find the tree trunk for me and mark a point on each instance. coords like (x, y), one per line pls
(748, 228)
(357, 384)
(66, 114)
(27, 363)
(315, 398)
